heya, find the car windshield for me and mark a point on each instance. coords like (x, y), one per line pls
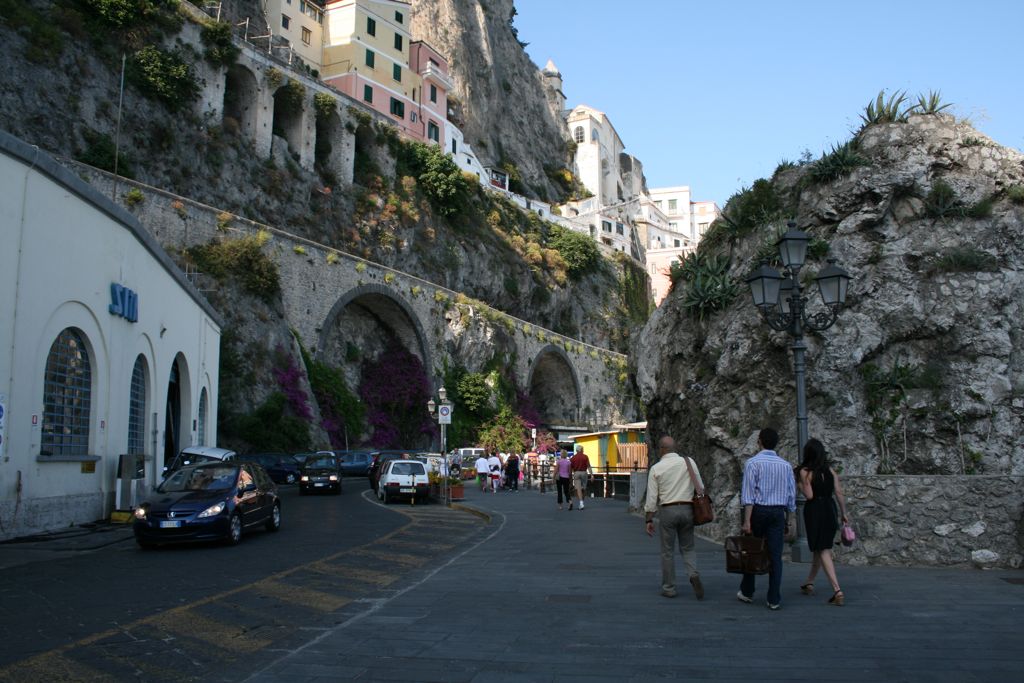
(407, 468)
(208, 478)
(320, 461)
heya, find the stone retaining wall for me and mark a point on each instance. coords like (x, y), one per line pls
(925, 520)
(935, 520)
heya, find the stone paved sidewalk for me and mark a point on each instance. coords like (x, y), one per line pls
(574, 596)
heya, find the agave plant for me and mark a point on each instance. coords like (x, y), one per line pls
(942, 201)
(930, 104)
(839, 162)
(709, 293)
(883, 110)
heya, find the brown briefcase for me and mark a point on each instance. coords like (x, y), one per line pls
(746, 555)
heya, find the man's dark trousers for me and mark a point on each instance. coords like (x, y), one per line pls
(768, 522)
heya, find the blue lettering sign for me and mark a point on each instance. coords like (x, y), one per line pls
(124, 302)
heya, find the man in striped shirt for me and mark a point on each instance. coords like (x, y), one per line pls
(769, 493)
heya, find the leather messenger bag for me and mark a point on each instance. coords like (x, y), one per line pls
(746, 555)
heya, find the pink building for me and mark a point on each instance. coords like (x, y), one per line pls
(369, 55)
(432, 69)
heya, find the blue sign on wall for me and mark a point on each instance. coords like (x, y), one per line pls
(124, 302)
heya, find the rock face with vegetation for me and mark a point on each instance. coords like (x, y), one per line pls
(922, 372)
(408, 207)
(499, 99)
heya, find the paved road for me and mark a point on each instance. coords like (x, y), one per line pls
(94, 607)
(574, 596)
(441, 595)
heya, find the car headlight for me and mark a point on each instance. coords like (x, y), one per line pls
(305, 477)
(140, 513)
(213, 510)
(334, 477)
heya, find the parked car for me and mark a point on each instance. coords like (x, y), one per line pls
(208, 501)
(403, 479)
(354, 463)
(282, 468)
(320, 472)
(197, 454)
(378, 458)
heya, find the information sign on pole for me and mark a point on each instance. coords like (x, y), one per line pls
(444, 415)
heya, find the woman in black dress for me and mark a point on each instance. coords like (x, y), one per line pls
(819, 483)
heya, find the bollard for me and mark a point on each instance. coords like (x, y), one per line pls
(542, 482)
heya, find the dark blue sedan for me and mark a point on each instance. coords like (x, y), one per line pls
(282, 468)
(209, 501)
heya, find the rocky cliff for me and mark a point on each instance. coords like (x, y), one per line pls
(491, 71)
(921, 373)
(60, 72)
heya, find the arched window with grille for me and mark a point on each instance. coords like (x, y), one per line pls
(67, 396)
(137, 408)
(578, 135)
(202, 418)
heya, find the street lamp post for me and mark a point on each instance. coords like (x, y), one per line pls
(442, 412)
(783, 306)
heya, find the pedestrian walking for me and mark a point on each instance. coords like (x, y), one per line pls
(512, 472)
(820, 485)
(494, 465)
(563, 472)
(670, 492)
(768, 497)
(483, 473)
(580, 471)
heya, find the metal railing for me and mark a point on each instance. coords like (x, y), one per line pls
(607, 481)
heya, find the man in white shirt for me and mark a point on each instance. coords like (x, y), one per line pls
(483, 473)
(670, 493)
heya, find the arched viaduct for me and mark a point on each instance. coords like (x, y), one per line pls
(331, 298)
(327, 294)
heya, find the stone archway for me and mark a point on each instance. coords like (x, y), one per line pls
(554, 387)
(241, 98)
(360, 324)
(365, 329)
(288, 112)
(329, 151)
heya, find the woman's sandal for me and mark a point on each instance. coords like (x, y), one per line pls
(807, 589)
(837, 599)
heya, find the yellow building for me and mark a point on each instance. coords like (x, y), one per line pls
(301, 23)
(605, 448)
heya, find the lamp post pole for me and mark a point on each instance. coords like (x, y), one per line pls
(442, 412)
(783, 306)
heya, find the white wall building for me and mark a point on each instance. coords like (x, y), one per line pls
(107, 349)
(598, 147)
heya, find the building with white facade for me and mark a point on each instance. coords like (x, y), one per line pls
(107, 349)
(598, 147)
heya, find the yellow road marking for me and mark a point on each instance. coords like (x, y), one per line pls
(354, 573)
(53, 666)
(437, 547)
(307, 597)
(194, 625)
(400, 558)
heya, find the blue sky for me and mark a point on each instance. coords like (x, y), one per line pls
(714, 94)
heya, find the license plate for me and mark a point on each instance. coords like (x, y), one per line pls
(170, 525)
(407, 490)
(318, 484)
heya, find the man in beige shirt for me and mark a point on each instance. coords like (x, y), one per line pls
(670, 494)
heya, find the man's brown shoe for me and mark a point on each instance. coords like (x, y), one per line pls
(698, 587)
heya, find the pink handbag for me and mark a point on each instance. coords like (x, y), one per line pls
(847, 535)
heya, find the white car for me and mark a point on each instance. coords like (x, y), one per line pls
(403, 479)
